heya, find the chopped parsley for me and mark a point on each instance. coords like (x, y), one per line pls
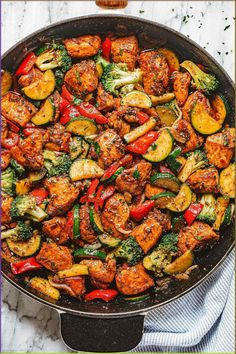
(226, 27)
(136, 174)
(141, 11)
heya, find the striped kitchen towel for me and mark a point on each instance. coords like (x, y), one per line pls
(200, 321)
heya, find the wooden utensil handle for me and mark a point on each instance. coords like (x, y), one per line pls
(112, 4)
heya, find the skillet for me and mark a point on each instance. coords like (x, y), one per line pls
(118, 326)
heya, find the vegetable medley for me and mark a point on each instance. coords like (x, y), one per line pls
(117, 168)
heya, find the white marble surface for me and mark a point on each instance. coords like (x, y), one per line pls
(28, 326)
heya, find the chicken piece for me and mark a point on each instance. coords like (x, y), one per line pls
(56, 138)
(148, 233)
(181, 85)
(111, 148)
(196, 237)
(133, 280)
(17, 154)
(4, 128)
(6, 206)
(82, 78)
(195, 97)
(105, 101)
(150, 190)
(204, 181)
(163, 219)
(187, 133)
(63, 194)
(83, 46)
(87, 232)
(155, 72)
(72, 286)
(220, 147)
(101, 273)
(54, 257)
(125, 50)
(32, 150)
(33, 75)
(56, 229)
(5, 159)
(17, 109)
(118, 124)
(115, 214)
(134, 179)
(129, 114)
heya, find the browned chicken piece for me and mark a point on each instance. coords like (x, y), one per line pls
(205, 180)
(101, 273)
(105, 101)
(32, 150)
(82, 78)
(86, 230)
(4, 128)
(155, 72)
(133, 280)
(129, 114)
(33, 75)
(181, 86)
(5, 158)
(125, 50)
(54, 257)
(195, 97)
(196, 237)
(17, 109)
(56, 229)
(115, 214)
(150, 190)
(220, 147)
(17, 155)
(72, 286)
(6, 206)
(111, 148)
(118, 124)
(163, 219)
(185, 130)
(83, 46)
(134, 179)
(56, 138)
(63, 194)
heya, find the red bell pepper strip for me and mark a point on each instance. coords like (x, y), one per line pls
(139, 212)
(88, 110)
(164, 169)
(63, 104)
(26, 64)
(114, 167)
(69, 112)
(67, 95)
(92, 189)
(40, 194)
(30, 131)
(83, 199)
(13, 127)
(192, 212)
(108, 192)
(98, 197)
(142, 117)
(106, 48)
(24, 266)
(11, 140)
(141, 145)
(105, 295)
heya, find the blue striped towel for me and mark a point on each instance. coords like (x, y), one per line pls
(201, 321)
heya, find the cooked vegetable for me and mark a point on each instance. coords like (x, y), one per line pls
(86, 168)
(182, 201)
(53, 56)
(172, 60)
(115, 166)
(26, 65)
(43, 286)
(25, 206)
(201, 80)
(141, 130)
(74, 271)
(165, 98)
(166, 180)
(41, 89)
(168, 113)
(208, 212)
(25, 248)
(227, 181)
(161, 148)
(82, 126)
(21, 232)
(162, 199)
(180, 264)
(175, 165)
(25, 266)
(228, 215)
(130, 250)
(192, 212)
(95, 221)
(196, 159)
(6, 82)
(76, 222)
(203, 122)
(137, 213)
(8, 180)
(89, 252)
(136, 99)
(45, 114)
(221, 107)
(137, 298)
(11, 140)
(86, 109)
(109, 241)
(36, 176)
(20, 170)
(222, 204)
(141, 145)
(56, 163)
(105, 295)
(23, 186)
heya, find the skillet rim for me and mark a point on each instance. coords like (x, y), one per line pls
(145, 310)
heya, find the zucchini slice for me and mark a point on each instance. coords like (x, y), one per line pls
(228, 215)
(166, 115)
(171, 58)
(78, 148)
(45, 114)
(165, 98)
(162, 199)
(227, 181)
(74, 271)
(161, 148)
(180, 264)
(25, 248)
(82, 126)
(95, 221)
(203, 122)
(141, 130)
(221, 207)
(20, 170)
(139, 298)
(220, 107)
(76, 222)
(109, 241)
(174, 164)
(89, 253)
(136, 99)
(6, 82)
(85, 168)
(166, 181)
(36, 176)
(41, 89)
(182, 201)
(43, 286)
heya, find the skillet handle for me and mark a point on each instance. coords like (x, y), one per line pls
(101, 335)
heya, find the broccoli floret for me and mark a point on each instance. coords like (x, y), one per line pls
(20, 170)
(201, 80)
(170, 241)
(25, 206)
(56, 163)
(195, 160)
(126, 89)
(130, 250)
(208, 212)
(8, 184)
(22, 232)
(117, 75)
(100, 60)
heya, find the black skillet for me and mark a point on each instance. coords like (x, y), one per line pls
(118, 326)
